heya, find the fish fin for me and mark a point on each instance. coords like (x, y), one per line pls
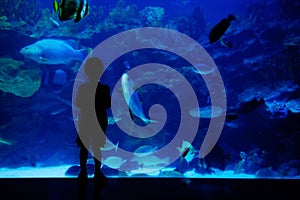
(86, 9)
(179, 149)
(131, 114)
(74, 44)
(181, 159)
(117, 146)
(55, 6)
(43, 59)
(77, 19)
(82, 54)
(78, 13)
(223, 43)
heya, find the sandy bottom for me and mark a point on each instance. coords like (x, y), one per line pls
(59, 172)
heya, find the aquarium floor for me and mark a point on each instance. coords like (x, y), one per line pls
(149, 188)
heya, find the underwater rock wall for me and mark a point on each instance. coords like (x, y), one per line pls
(20, 82)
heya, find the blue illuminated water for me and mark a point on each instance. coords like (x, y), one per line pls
(260, 71)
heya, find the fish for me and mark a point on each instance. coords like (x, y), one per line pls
(232, 124)
(184, 146)
(145, 150)
(3, 141)
(71, 9)
(58, 111)
(108, 146)
(150, 161)
(206, 112)
(114, 162)
(126, 64)
(132, 99)
(187, 151)
(113, 120)
(53, 52)
(218, 30)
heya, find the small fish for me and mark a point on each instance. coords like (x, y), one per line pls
(71, 9)
(151, 161)
(58, 111)
(3, 141)
(145, 150)
(110, 146)
(53, 52)
(113, 120)
(218, 30)
(232, 124)
(187, 151)
(126, 64)
(184, 146)
(114, 162)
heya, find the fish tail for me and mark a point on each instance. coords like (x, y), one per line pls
(55, 6)
(83, 53)
(231, 17)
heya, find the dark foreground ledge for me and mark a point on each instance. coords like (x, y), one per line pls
(149, 188)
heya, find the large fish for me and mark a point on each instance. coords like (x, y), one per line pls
(71, 9)
(53, 52)
(132, 99)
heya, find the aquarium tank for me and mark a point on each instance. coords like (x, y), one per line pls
(199, 89)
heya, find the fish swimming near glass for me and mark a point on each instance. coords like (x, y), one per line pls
(218, 30)
(71, 9)
(53, 52)
(132, 99)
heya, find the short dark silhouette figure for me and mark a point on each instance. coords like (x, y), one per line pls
(93, 98)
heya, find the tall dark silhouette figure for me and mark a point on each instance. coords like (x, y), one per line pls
(93, 98)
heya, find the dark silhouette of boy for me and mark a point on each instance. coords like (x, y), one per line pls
(92, 98)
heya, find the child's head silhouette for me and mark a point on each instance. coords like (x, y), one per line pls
(93, 68)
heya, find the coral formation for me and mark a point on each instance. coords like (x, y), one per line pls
(20, 82)
(152, 16)
(27, 11)
(122, 13)
(251, 162)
